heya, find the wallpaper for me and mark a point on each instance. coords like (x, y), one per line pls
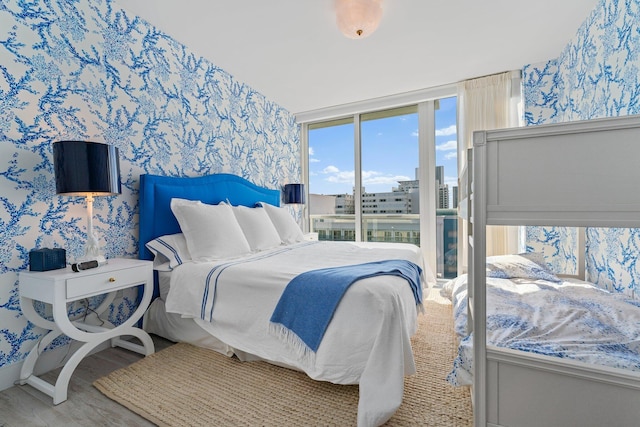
(596, 75)
(89, 70)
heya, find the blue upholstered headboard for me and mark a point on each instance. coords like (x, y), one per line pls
(156, 192)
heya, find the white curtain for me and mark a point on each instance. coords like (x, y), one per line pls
(486, 103)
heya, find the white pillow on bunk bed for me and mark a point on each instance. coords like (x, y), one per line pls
(169, 251)
(211, 231)
(257, 227)
(287, 227)
(527, 265)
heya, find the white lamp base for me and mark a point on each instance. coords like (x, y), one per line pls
(92, 249)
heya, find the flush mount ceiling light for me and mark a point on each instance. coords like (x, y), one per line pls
(358, 18)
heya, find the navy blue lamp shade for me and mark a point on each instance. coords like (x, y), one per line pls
(83, 168)
(294, 193)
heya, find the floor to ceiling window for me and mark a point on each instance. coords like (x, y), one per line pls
(446, 150)
(389, 172)
(331, 179)
(371, 175)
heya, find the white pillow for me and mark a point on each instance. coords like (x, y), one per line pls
(527, 265)
(287, 227)
(169, 251)
(257, 227)
(212, 231)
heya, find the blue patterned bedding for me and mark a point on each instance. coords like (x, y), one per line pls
(568, 319)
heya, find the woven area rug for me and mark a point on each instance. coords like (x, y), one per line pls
(184, 385)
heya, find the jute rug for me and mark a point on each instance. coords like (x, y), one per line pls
(184, 385)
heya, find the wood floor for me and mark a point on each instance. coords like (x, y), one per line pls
(22, 406)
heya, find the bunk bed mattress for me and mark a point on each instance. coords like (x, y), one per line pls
(570, 319)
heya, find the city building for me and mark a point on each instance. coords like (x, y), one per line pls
(454, 197)
(390, 217)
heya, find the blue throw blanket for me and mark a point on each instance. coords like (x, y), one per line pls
(310, 299)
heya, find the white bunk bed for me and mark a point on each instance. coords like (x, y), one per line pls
(573, 174)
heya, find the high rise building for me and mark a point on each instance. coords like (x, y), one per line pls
(345, 204)
(439, 175)
(454, 197)
(443, 197)
(404, 199)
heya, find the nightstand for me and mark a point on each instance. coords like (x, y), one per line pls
(59, 287)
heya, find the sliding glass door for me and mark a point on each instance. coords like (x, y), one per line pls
(331, 180)
(446, 155)
(387, 176)
(390, 183)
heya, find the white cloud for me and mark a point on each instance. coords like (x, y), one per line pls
(451, 155)
(311, 153)
(330, 169)
(452, 181)
(447, 146)
(451, 130)
(337, 176)
(341, 177)
(375, 178)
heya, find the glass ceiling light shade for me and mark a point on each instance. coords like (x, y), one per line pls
(87, 169)
(358, 18)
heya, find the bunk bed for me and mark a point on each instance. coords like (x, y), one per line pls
(574, 174)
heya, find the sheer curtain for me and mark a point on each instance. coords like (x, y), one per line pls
(491, 102)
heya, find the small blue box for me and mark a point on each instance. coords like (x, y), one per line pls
(47, 259)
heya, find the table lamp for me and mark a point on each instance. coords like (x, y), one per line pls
(87, 169)
(294, 194)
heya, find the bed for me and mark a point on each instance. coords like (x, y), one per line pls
(565, 318)
(550, 175)
(226, 303)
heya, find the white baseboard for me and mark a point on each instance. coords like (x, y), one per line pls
(48, 361)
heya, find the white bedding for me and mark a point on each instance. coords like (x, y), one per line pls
(367, 341)
(571, 319)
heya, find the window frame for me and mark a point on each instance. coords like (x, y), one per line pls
(426, 101)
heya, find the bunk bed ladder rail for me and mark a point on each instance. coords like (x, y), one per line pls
(477, 277)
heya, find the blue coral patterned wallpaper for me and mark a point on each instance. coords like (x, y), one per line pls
(596, 75)
(89, 70)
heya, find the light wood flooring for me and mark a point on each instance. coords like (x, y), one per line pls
(24, 406)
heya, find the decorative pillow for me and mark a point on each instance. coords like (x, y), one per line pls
(211, 231)
(528, 265)
(287, 227)
(169, 251)
(257, 227)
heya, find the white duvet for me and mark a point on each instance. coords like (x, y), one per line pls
(366, 343)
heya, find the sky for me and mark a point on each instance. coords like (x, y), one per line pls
(389, 152)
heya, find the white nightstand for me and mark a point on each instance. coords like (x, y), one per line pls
(59, 287)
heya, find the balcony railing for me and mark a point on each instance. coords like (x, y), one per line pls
(398, 228)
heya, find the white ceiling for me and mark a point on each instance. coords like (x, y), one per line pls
(292, 52)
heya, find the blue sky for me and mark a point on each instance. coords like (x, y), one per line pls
(389, 152)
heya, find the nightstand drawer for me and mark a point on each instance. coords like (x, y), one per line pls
(95, 284)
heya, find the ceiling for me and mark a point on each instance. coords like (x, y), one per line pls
(292, 52)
